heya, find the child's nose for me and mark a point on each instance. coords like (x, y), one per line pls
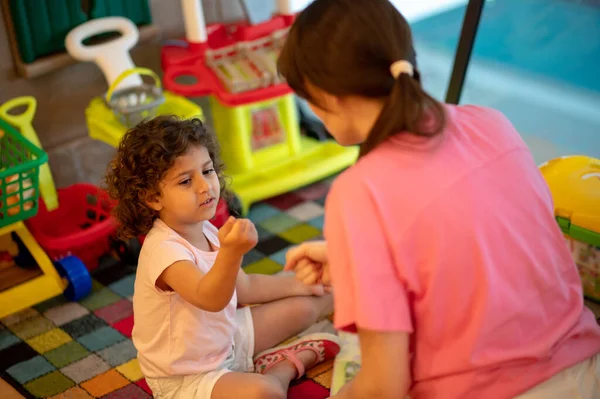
(203, 185)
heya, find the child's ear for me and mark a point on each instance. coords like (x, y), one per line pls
(154, 202)
(154, 205)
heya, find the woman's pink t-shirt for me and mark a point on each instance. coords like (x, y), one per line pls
(453, 239)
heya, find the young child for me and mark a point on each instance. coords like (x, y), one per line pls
(192, 342)
(441, 241)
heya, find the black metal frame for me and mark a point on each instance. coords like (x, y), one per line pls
(463, 52)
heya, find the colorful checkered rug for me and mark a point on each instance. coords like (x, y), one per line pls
(71, 350)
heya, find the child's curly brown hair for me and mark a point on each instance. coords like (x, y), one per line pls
(144, 156)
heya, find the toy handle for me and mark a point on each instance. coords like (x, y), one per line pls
(202, 87)
(112, 57)
(129, 72)
(23, 119)
(23, 122)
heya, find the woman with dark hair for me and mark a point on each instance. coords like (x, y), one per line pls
(441, 244)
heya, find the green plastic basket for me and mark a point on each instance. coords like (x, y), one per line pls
(20, 163)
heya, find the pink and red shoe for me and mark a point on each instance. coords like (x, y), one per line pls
(325, 346)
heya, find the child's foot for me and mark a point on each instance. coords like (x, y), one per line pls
(303, 353)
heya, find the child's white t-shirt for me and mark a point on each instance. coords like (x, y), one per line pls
(172, 336)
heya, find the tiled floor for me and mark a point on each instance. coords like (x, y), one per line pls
(62, 349)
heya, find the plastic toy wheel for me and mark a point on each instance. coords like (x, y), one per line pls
(80, 281)
(127, 252)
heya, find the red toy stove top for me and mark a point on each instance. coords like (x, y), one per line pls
(236, 64)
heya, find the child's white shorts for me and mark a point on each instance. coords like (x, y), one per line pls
(200, 386)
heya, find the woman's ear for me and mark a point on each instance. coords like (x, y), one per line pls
(323, 100)
(335, 103)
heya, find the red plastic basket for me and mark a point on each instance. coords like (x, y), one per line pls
(81, 226)
(221, 215)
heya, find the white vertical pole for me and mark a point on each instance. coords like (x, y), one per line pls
(195, 25)
(284, 7)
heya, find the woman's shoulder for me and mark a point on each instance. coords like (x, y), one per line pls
(478, 116)
(474, 110)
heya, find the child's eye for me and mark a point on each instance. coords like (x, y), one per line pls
(185, 182)
(208, 171)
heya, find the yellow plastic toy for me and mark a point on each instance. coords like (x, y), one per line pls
(575, 185)
(24, 122)
(104, 125)
(20, 166)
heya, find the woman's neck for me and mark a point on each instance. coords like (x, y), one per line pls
(365, 112)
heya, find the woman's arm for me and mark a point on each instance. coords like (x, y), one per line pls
(385, 369)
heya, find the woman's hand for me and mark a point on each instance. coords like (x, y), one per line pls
(316, 251)
(307, 274)
(309, 262)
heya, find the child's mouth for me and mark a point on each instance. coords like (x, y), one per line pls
(208, 202)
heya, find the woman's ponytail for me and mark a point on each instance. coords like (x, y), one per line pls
(407, 109)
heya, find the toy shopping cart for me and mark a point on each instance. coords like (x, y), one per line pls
(79, 223)
(575, 185)
(135, 103)
(128, 98)
(20, 162)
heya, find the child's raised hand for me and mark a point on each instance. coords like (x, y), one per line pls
(238, 236)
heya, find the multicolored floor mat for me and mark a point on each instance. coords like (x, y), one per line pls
(81, 350)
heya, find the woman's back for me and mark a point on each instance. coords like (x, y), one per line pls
(453, 239)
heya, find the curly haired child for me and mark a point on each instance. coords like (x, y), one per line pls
(192, 340)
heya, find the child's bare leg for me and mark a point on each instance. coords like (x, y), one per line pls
(271, 385)
(277, 321)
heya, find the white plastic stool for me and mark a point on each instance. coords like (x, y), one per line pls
(111, 57)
